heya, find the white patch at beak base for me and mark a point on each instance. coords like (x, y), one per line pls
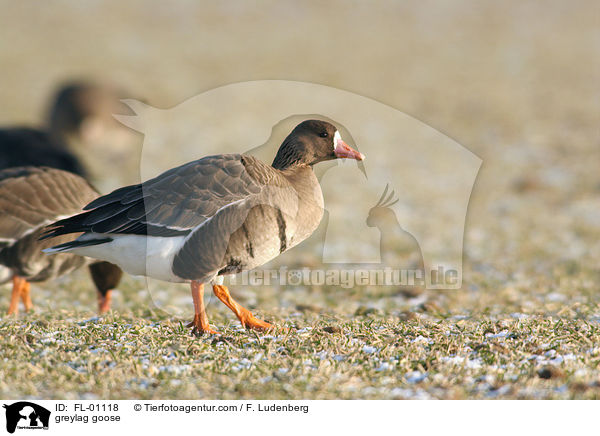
(343, 150)
(336, 138)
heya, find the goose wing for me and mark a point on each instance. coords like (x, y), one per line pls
(179, 200)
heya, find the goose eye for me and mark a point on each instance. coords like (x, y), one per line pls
(323, 134)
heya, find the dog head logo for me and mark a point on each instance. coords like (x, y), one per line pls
(26, 415)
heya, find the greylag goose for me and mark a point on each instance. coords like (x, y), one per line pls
(81, 114)
(83, 111)
(218, 215)
(24, 146)
(31, 198)
(81, 135)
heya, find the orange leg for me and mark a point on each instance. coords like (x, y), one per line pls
(18, 284)
(26, 296)
(244, 315)
(200, 323)
(104, 302)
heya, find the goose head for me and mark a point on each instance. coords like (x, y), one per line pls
(311, 142)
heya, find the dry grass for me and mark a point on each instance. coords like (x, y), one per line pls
(518, 344)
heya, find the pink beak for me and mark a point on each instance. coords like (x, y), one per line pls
(344, 151)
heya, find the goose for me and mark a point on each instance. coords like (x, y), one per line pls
(83, 111)
(26, 146)
(30, 199)
(79, 113)
(79, 135)
(211, 217)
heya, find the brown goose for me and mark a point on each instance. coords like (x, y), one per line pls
(30, 199)
(23, 146)
(80, 135)
(79, 113)
(218, 215)
(82, 111)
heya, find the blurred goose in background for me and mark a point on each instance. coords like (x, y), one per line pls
(81, 135)
(79, 122)
(82, 111)
(25, 146)
(81, 115)
(218, 215)
(31, 198)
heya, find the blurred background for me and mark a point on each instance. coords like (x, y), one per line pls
(515, 82)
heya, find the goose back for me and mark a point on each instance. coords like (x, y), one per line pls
(23, 146)
(30, 198)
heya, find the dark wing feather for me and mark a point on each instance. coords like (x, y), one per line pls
(177, 201)
(31, 197)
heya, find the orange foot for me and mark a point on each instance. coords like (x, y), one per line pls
(250, 322)
(200, 327)
(244, 315)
